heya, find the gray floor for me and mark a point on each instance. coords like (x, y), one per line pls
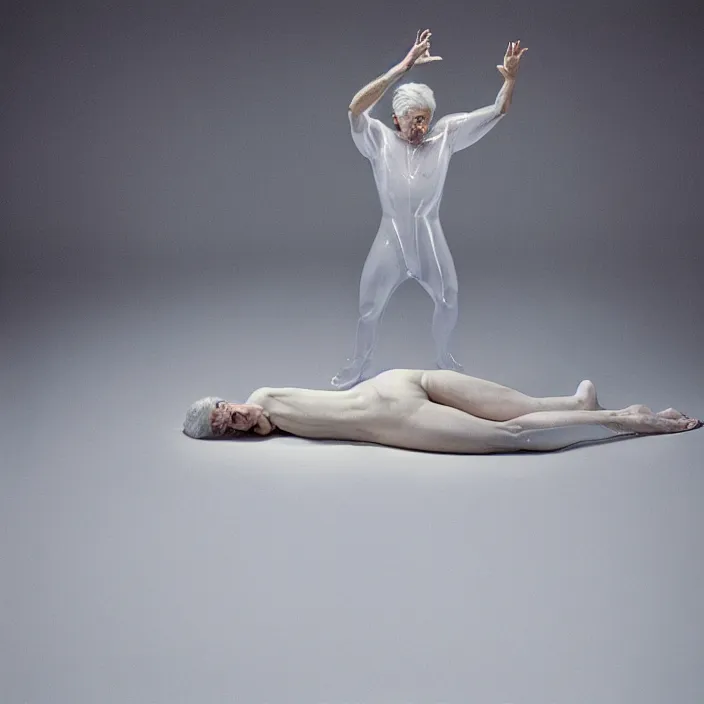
(142, 567)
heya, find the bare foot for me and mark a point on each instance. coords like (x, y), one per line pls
(586, 396)
(640, 419)
(671, 413)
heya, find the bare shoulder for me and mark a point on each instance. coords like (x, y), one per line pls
(258, 396)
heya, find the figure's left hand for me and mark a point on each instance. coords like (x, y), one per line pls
(512, 59)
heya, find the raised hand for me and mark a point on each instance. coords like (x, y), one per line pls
(420, 51)
(512, 58)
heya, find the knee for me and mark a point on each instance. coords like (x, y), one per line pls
(516, 437)
(508, 436)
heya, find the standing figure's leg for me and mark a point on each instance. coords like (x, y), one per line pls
(439, 278)
(383, 271)
(492, 401)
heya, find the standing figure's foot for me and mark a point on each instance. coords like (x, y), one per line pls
(350, 375)
(447, 361)
(586, 396)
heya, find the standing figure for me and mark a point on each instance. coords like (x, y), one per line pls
(410, 163)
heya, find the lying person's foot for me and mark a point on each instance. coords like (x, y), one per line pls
(586, 396)
(672, 414)
(447, 361)
(350, 375)
(641, 420)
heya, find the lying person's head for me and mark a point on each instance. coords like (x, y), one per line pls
(213, 417)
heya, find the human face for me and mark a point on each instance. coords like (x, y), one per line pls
(234, 418)
(414, 125)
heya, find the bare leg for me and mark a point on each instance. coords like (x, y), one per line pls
(382, 273)
(437, 428)
(553, 430)
(486, 399)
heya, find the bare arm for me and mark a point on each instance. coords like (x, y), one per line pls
(503, 99)
(469, 127)
(372, 92)
(509, 70)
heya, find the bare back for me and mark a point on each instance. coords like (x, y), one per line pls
(372, 411)
(393, 408)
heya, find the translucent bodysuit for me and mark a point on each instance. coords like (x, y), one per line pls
(410, 243)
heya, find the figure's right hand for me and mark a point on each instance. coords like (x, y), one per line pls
(420, 51)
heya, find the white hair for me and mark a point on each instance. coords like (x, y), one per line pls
(197, 423)
(413, 96)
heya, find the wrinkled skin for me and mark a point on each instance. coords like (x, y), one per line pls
(239, 418)
(414, 125)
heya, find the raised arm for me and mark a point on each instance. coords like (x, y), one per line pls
(467, 128)
(368, 96)
(509, 70)
(368, 132)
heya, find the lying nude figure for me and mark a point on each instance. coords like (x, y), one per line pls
(437, 411)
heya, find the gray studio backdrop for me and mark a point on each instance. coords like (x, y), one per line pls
(170, 131)
(184, 213)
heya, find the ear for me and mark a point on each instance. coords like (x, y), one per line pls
(395, 119)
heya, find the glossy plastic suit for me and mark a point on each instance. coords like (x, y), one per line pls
(410, 242)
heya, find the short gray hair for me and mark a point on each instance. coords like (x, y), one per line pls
(413, 96)
(197, 423)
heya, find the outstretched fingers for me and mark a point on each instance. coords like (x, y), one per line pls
(515, 49)
(423, 36)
